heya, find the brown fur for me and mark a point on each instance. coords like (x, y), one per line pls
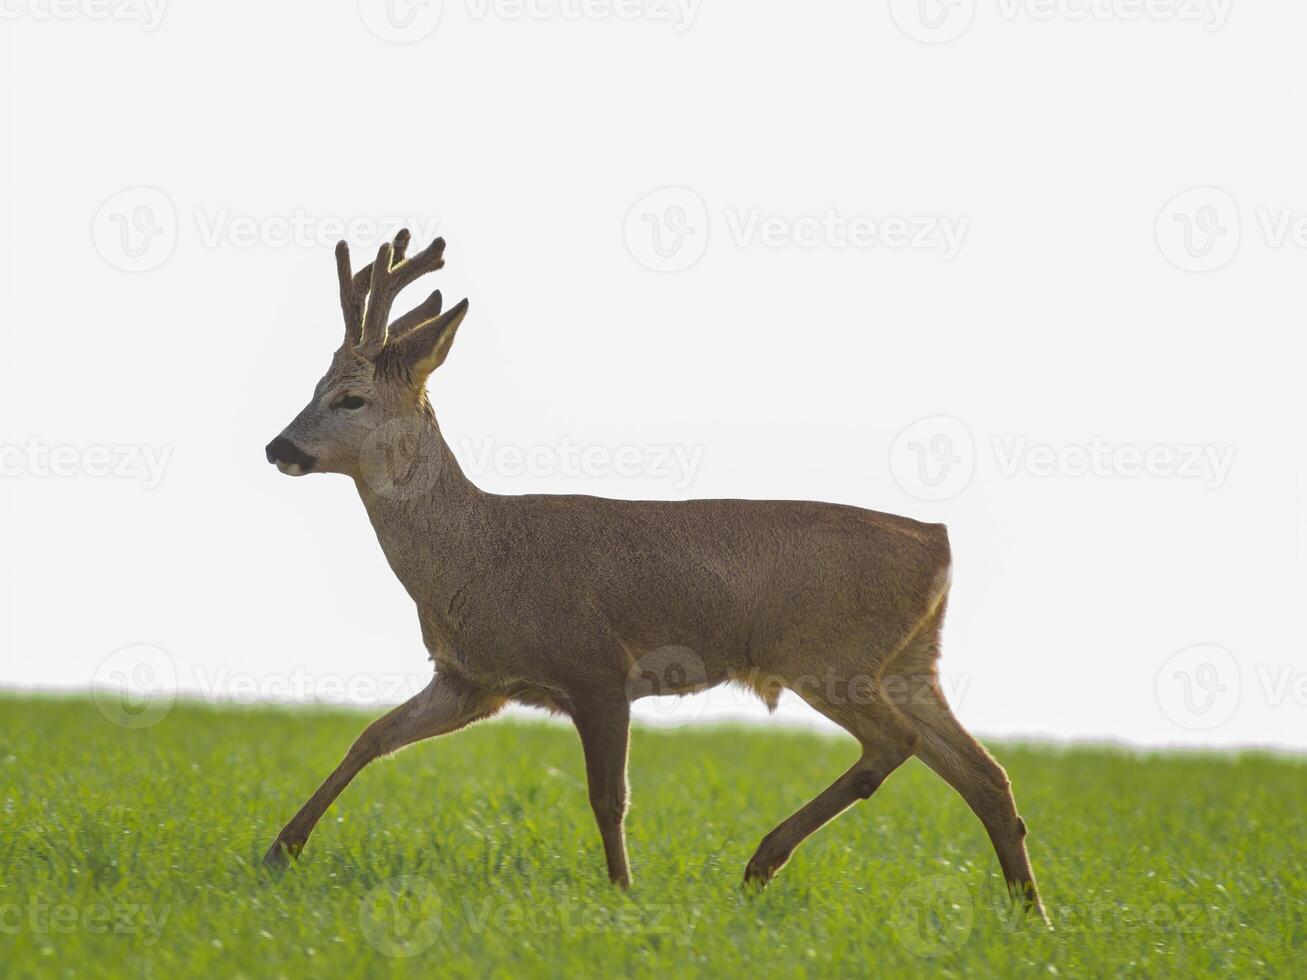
(572, 603)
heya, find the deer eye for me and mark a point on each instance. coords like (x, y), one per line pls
(351, 402)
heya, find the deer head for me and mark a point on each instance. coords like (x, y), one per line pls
(377, 378)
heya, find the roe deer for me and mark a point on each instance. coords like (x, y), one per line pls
(573, 602)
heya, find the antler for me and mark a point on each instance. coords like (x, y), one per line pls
(366, 296)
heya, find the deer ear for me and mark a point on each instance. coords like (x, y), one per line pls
(424, 348)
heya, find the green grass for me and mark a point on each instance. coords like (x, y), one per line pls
(136, 853)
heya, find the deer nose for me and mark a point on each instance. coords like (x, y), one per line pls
(282, 451)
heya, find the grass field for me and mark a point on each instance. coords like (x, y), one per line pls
(136, 853)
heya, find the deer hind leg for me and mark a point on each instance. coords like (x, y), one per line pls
(888, 740)
(443, 706)
(948, 749)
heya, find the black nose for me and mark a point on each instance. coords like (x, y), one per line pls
(282, 450)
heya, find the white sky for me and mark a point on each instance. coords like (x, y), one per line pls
(1041, 163)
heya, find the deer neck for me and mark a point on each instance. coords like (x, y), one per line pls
(422, 508)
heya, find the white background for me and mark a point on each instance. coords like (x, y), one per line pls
(1058, 136)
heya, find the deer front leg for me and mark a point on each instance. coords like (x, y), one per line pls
(604, 729)
(445, 705)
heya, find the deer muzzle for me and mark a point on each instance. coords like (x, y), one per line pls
(289, 458)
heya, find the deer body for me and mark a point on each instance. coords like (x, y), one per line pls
(565, 593)
(582, 604)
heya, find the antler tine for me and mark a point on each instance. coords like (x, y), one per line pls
(351, 296)
(428, 309)
(363, 278)
(429, 259)
(402, 238)
(378, 307)
(388, 279)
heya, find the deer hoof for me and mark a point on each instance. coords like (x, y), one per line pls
(757, 875)
(279, 854)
